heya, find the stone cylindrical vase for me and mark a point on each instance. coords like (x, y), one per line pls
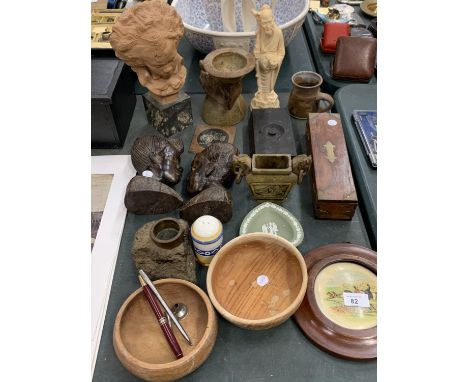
(163, 249)
(221, 73)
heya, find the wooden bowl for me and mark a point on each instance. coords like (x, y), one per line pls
(257, 281)
(140, 343)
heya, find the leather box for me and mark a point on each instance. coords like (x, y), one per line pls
(354, 59)
(333, 191)
(331, 32)
(112, 102)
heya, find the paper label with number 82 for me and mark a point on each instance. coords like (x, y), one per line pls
(356, 299)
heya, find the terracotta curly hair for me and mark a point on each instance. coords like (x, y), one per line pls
(143, 33)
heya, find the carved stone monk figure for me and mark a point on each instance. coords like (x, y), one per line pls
(146, 38)
(269, 53)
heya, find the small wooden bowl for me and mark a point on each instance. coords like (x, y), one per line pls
(140, 343)
(257, 281)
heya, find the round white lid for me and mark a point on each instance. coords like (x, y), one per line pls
(206, 226)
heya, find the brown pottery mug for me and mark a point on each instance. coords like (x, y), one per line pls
(306, 94)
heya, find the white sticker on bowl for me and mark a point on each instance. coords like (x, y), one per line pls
(147, 173)
(356, 299)
(262, 280)
(332, 122)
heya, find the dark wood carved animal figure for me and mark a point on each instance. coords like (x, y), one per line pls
(159, 155)
(212, 166)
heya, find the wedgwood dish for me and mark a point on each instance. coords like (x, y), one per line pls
(276, 220)
(212, 24)
(257, 281)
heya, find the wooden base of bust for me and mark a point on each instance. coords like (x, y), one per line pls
(168, 118)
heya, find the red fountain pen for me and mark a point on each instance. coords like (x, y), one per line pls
(162, 320)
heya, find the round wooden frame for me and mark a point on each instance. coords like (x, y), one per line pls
(335, 339)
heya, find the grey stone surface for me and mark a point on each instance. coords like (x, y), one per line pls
(157, 262)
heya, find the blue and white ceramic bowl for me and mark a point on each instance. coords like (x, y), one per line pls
(206, 31)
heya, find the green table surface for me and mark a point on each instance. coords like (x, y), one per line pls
(348, 99)
(278, 354)
(322, 61)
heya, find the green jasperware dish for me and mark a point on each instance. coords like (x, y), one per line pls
(272, 218)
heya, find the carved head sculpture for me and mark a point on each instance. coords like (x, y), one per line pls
(159, 155)
(212, 166)
(146, 37)
(301, 166)
(241, 165)
(265, 19)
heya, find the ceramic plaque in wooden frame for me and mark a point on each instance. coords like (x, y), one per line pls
(206, 135)
(328, 319)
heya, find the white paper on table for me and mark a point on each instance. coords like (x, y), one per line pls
(107, 243)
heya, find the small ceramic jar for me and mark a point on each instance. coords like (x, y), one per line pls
(207, 236)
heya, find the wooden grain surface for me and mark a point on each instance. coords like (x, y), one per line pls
(256, 280)
(332, 171)
(334, 339)
(140, 343)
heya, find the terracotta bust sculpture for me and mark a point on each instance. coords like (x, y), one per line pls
(146, 37)
(269, 53)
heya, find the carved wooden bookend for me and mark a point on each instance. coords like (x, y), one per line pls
(213, 166)
(146, 37)
(269, 53)
(147, 196)
(271, 176)
(163, 249)
(214, 201)
(221, 74)
(160, 156)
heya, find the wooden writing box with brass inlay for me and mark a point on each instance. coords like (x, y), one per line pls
(333, 191)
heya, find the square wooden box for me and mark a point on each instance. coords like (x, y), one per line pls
(112, 102)
(333, 191)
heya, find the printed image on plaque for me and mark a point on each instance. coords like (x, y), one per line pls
(206, 135)
(100, 186)
(337, 281)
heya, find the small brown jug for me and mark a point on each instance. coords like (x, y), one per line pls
(306, 94)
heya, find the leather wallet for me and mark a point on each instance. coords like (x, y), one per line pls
(354, 59)
(331, 32)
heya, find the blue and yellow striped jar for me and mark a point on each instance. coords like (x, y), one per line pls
(207, 237)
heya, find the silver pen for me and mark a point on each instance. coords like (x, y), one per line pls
(166, 308)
